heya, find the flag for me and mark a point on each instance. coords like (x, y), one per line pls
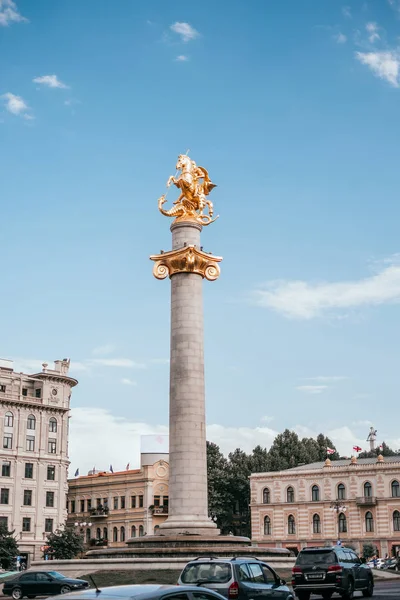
(357, 448)
(381, 447)
(111, 469)
(330, 451)
(127, 466)
(77, 473)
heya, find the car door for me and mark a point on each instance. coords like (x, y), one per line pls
(27, 583)
(278, 591)
(263, 587)
(355, 565)
(46, 584)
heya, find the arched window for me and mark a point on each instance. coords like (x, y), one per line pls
(367, 489)
(395, 489)
(342, 523)
(115, 534)
(369, 521)
(396, 520)
(31, 422)
(267, 525)
(53, 425)
(266, 496)
(291, 524)
(98, 533)
(105, 533)
(9, 419)
(133, 531)
(87, 536)
(122, 534)
(341, 492)
(156, 528)
(316, 524)
(315, 493)
(290, 494)
(141, 531)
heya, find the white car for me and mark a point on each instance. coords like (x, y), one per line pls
(379, 563)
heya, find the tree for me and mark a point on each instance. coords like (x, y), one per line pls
(369, 550)
(239, 482)
(8, 547)
(64, 544)
(385, 451)
(220, 499)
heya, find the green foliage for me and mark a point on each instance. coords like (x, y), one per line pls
(64, 544)
(369, 550)
(8, 547)
(385, 451)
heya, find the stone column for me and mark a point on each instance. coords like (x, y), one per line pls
(186, 265)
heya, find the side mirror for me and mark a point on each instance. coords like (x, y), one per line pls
(282, 582)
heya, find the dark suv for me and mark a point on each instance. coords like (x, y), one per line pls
(327, 570)
(236, 578)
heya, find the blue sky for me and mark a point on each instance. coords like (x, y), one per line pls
(293, 107)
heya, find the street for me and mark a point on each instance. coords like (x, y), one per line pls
(384, 590)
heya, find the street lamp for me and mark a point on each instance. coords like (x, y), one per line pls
(82, 524)
(338, 507)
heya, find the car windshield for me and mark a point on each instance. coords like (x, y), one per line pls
(56, 575)
(317, 557)
(206, 572)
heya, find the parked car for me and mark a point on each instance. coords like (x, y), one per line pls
(327, 570)
(391, 564)
(146, 592)
(41, 583)
(236, 578)
(376, 563)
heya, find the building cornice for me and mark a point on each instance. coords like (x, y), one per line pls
(32, 404)
(327, 471)
(55, 378)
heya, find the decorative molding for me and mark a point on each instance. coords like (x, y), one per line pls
(188, 259)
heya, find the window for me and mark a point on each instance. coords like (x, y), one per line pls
(82, 506)
(4, 522)
(291, 525)
(156, 501)
(48, 525)
(133, 501)
(88, 504)
(141, 531)
(315, 493)
(6, 469)
(165, 502)
(87, 536)
(396, 520)
(38, 393)
(7, 441)
(26, 524)
(256, 573)
(31, 422)
(133, 531)
(98, 533)
(140, 501)
(115, 534)
(51, 473)
(122, 534)
(30, 443)
(105, 502)
(266, 496)
(105, 533)
(342, 523)
(53, 425)
(267, 525)
(156, 528)
(115, 502)
(24, 391)
(341, 492)
(290, 494)
(9, 419)
(50, 499)
(52, 446)
(122, 501)
(27, 497)
(244, 574)
(72, 506)
(369, 521)
(98, 502)
(367, 489)
(4, 495)
(316, 524)
(2, 388)
(395, 489)
(29, 470)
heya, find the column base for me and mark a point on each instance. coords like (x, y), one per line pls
(188, 525)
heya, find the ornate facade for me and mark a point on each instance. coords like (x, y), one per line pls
(109, 508)
(355, 501)
(34, 413)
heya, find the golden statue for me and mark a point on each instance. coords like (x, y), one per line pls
(195, 185)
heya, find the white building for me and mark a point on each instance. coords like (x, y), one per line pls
(34, 413)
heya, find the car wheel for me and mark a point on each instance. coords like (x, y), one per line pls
(349, 593)
(17, 593)
(65, 589)
(367, 593)
(303, 595)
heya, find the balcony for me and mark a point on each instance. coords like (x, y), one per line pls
(366, 501)
(99, 513)
(160, 510)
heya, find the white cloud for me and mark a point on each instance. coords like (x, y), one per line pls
(372, 29)
(182, 58)
(312, 389)
(9, 13)
(346, 12)
(51, 81)
(327, 378)
(103, 350)
(340, 38)
(385, 65)
(160, 361)
(116, 362)
(302, 300)
(186, 31)
(16, 105)
(127, 381)
(267, 419)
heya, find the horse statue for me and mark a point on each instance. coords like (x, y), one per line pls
(195, 185)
